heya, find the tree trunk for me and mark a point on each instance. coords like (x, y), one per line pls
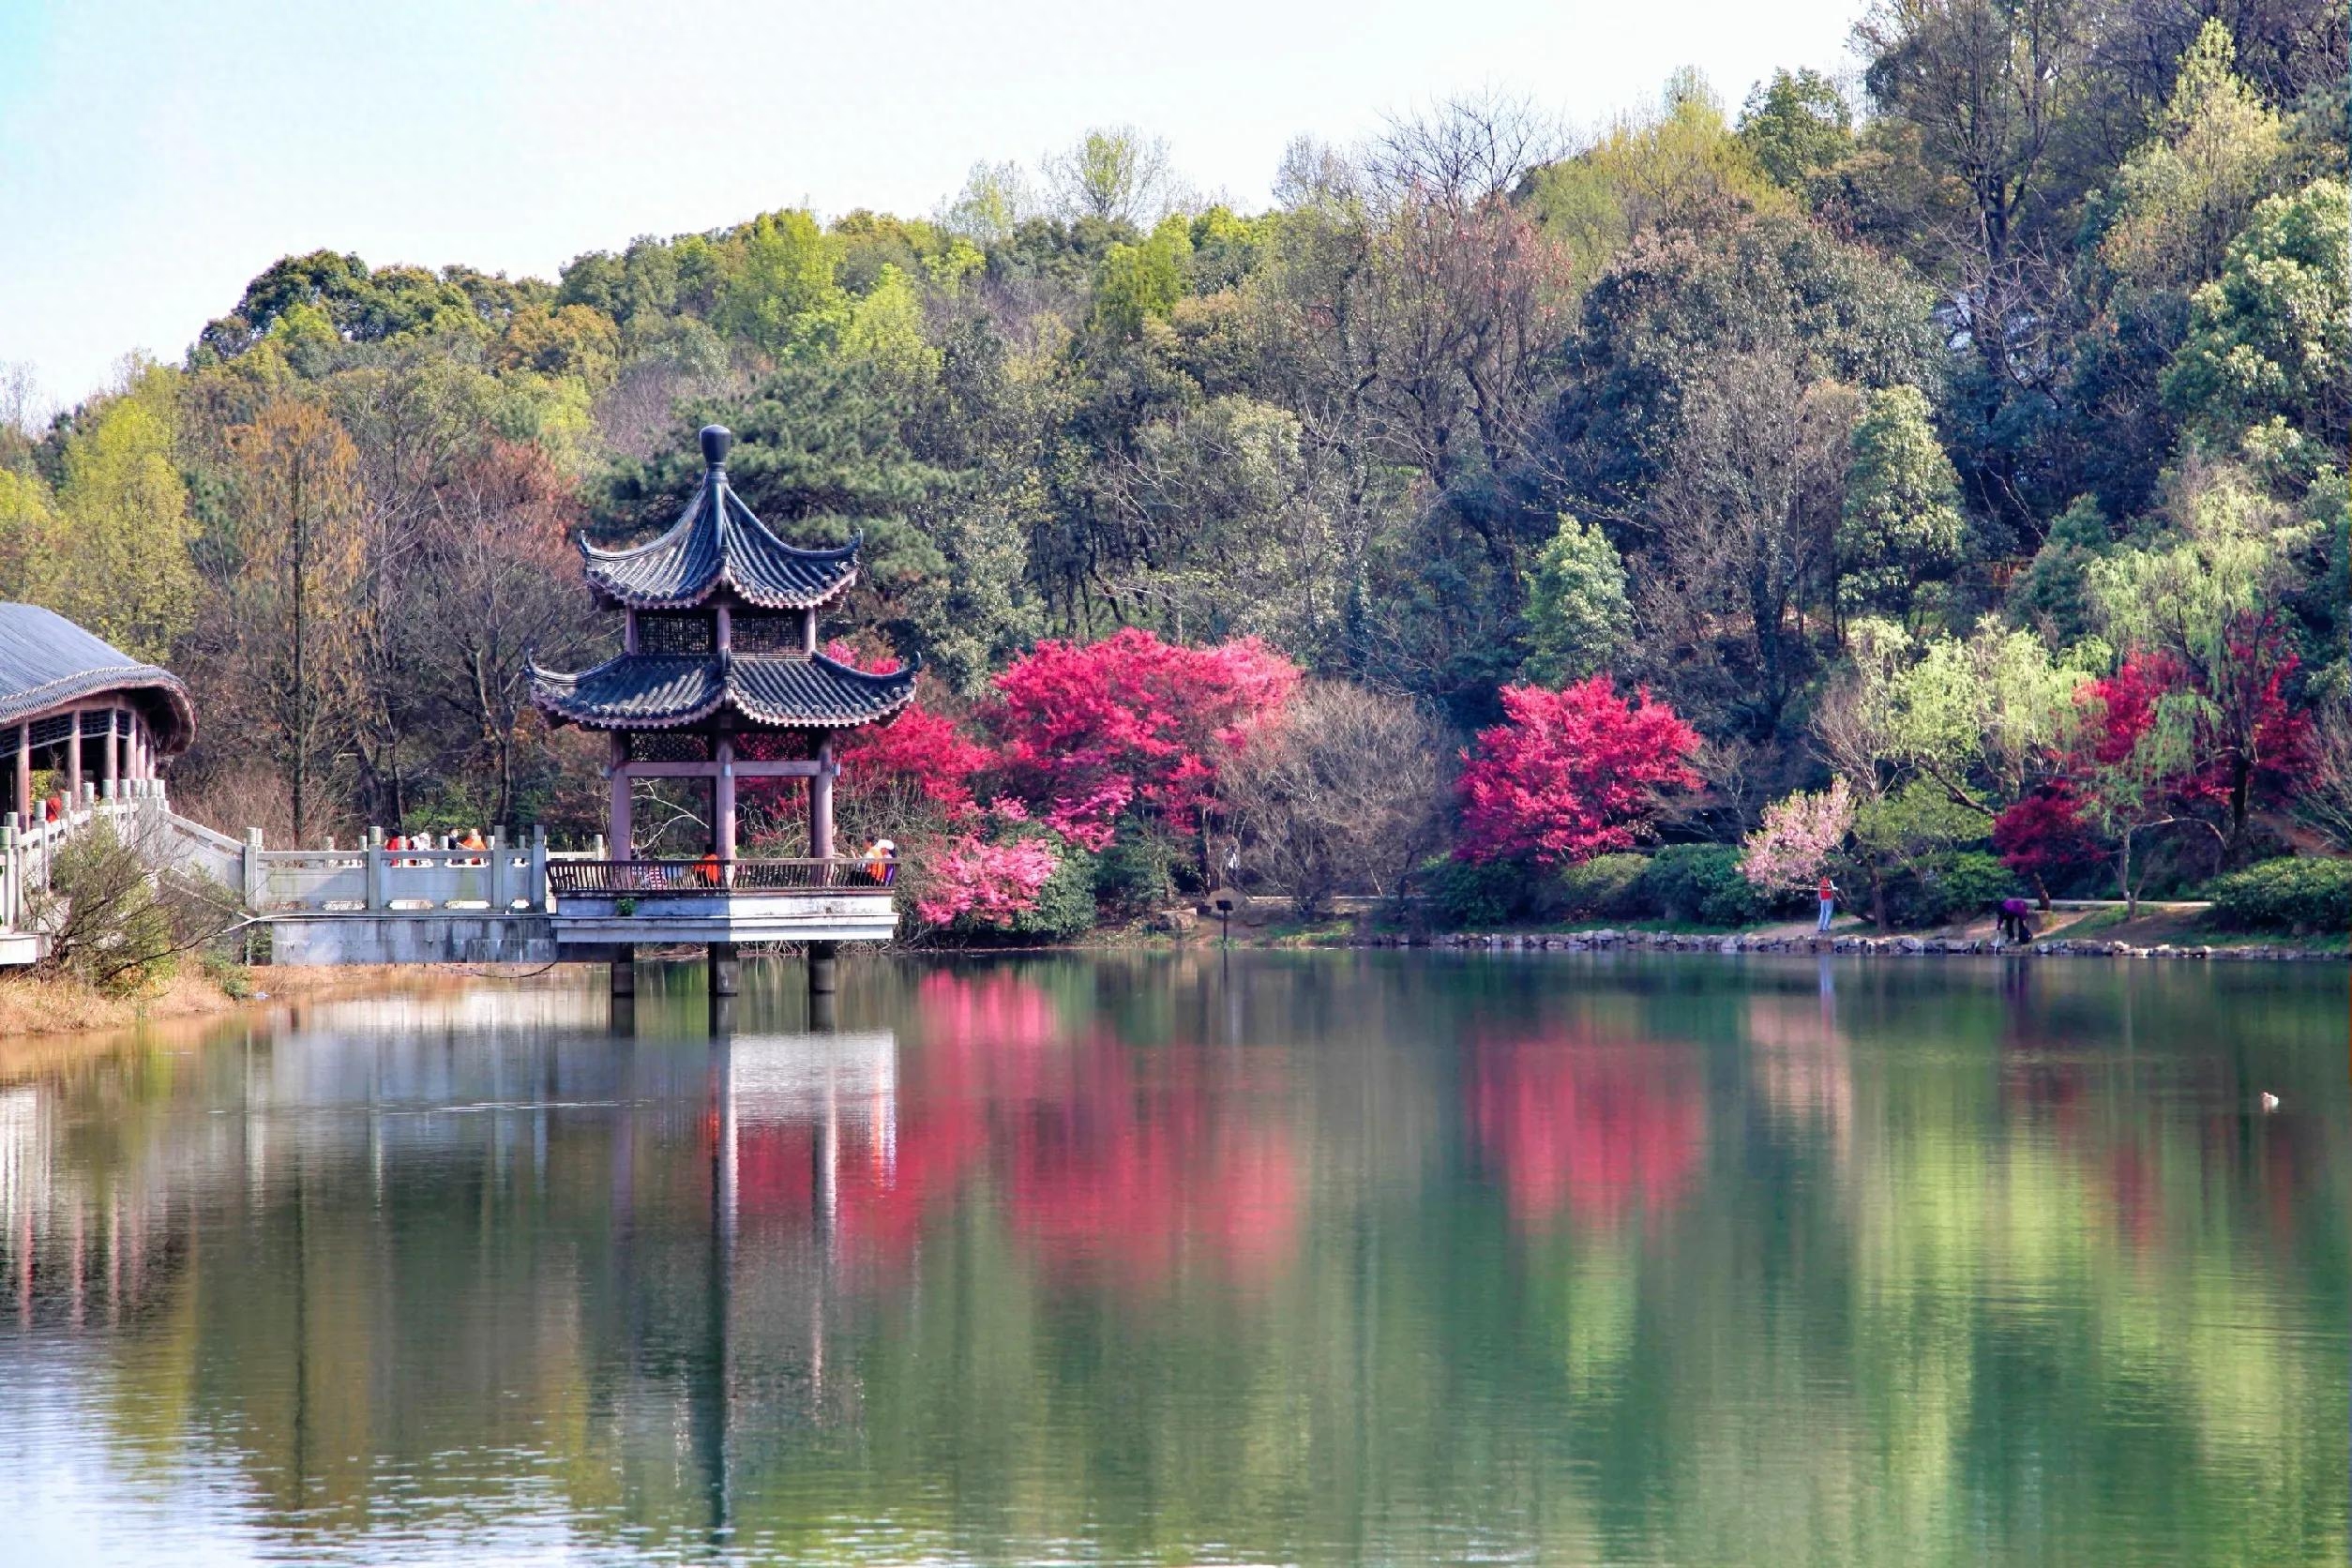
(2123, 878)
(2240, 793)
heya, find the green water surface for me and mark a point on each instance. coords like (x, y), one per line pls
(1276, 1258)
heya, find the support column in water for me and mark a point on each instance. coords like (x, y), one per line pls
(726, 983)
(625, 986)
(824, 982)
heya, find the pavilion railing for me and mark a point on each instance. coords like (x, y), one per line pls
(594, 879)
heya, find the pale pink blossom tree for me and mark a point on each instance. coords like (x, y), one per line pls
(1798, 834)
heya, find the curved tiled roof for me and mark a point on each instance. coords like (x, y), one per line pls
(719, 543)
(665, 691)
(46, 661)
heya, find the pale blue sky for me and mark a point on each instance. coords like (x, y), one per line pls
(155, 156)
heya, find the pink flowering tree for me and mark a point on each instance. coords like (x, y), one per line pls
(1792, 846)
(984, 883)
(1090, 732)
(1570, 774)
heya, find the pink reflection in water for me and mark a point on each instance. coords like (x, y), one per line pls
(1601, 1130)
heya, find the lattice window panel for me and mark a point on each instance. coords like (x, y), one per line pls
(765, 634)
(674, 634)
(668, 747)
(53, 729)
(773, 746)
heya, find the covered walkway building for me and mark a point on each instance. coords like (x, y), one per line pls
(76, 710)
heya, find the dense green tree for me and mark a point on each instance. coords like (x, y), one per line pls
(2268, 355)
(2052, 594)
(1797, 125)
(118, 561)
(777, 291)
(1660, 322)
(1578, 619)
(1680, 169)
(1135, 283)
(1900, 528)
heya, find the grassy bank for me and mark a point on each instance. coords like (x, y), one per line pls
(37, 1003)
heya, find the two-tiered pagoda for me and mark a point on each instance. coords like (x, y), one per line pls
(720, 677)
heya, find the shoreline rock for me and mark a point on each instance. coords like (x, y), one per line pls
(1607, 938)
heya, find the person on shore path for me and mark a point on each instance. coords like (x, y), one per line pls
(1829, 905)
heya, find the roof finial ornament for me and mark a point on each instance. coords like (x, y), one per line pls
(715, 440)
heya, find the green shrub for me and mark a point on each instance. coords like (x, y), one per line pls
(1975, 882)
(2296, 894)
(1606, 887)
(1953, 887)
(1136, 872)
(1065, 905)
(1701, 883)
(117, 924)
(1468, 896)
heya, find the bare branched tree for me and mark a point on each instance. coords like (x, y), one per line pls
(1467, 152)
(1348, 794)
(113, 921)
(1114, 174)
(2326, 803)
(1745, 515)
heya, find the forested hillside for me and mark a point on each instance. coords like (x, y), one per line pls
(1961, 451)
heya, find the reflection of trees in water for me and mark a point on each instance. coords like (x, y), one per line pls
(1128, 1167)
(1799, 1065)
(1599, 1128)
(1122, 1257)
(1119, 1164)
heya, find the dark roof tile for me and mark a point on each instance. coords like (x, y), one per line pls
(719, 543)
(665, 691)
(46, 661)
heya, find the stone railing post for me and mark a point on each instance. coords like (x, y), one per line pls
(376, 899)
(256, 872)
(536, 893)
(11, 880)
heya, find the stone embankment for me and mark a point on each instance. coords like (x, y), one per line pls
(1676, 941)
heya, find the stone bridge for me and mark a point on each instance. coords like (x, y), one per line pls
(512, 901)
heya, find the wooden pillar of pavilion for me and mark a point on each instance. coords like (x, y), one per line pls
(24, 773)
(624, 845)
(113, 753)
(821, 802)
(723, 799)
(73, 758)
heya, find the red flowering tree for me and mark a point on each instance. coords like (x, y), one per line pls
(914, 780)
(2164, 744)
(920, 757)
(1088, 731)
(1570, 774)
(2044, 835)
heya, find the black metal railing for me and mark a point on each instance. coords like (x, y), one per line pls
(594, 879)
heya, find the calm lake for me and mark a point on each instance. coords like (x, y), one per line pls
(1316, 1257)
